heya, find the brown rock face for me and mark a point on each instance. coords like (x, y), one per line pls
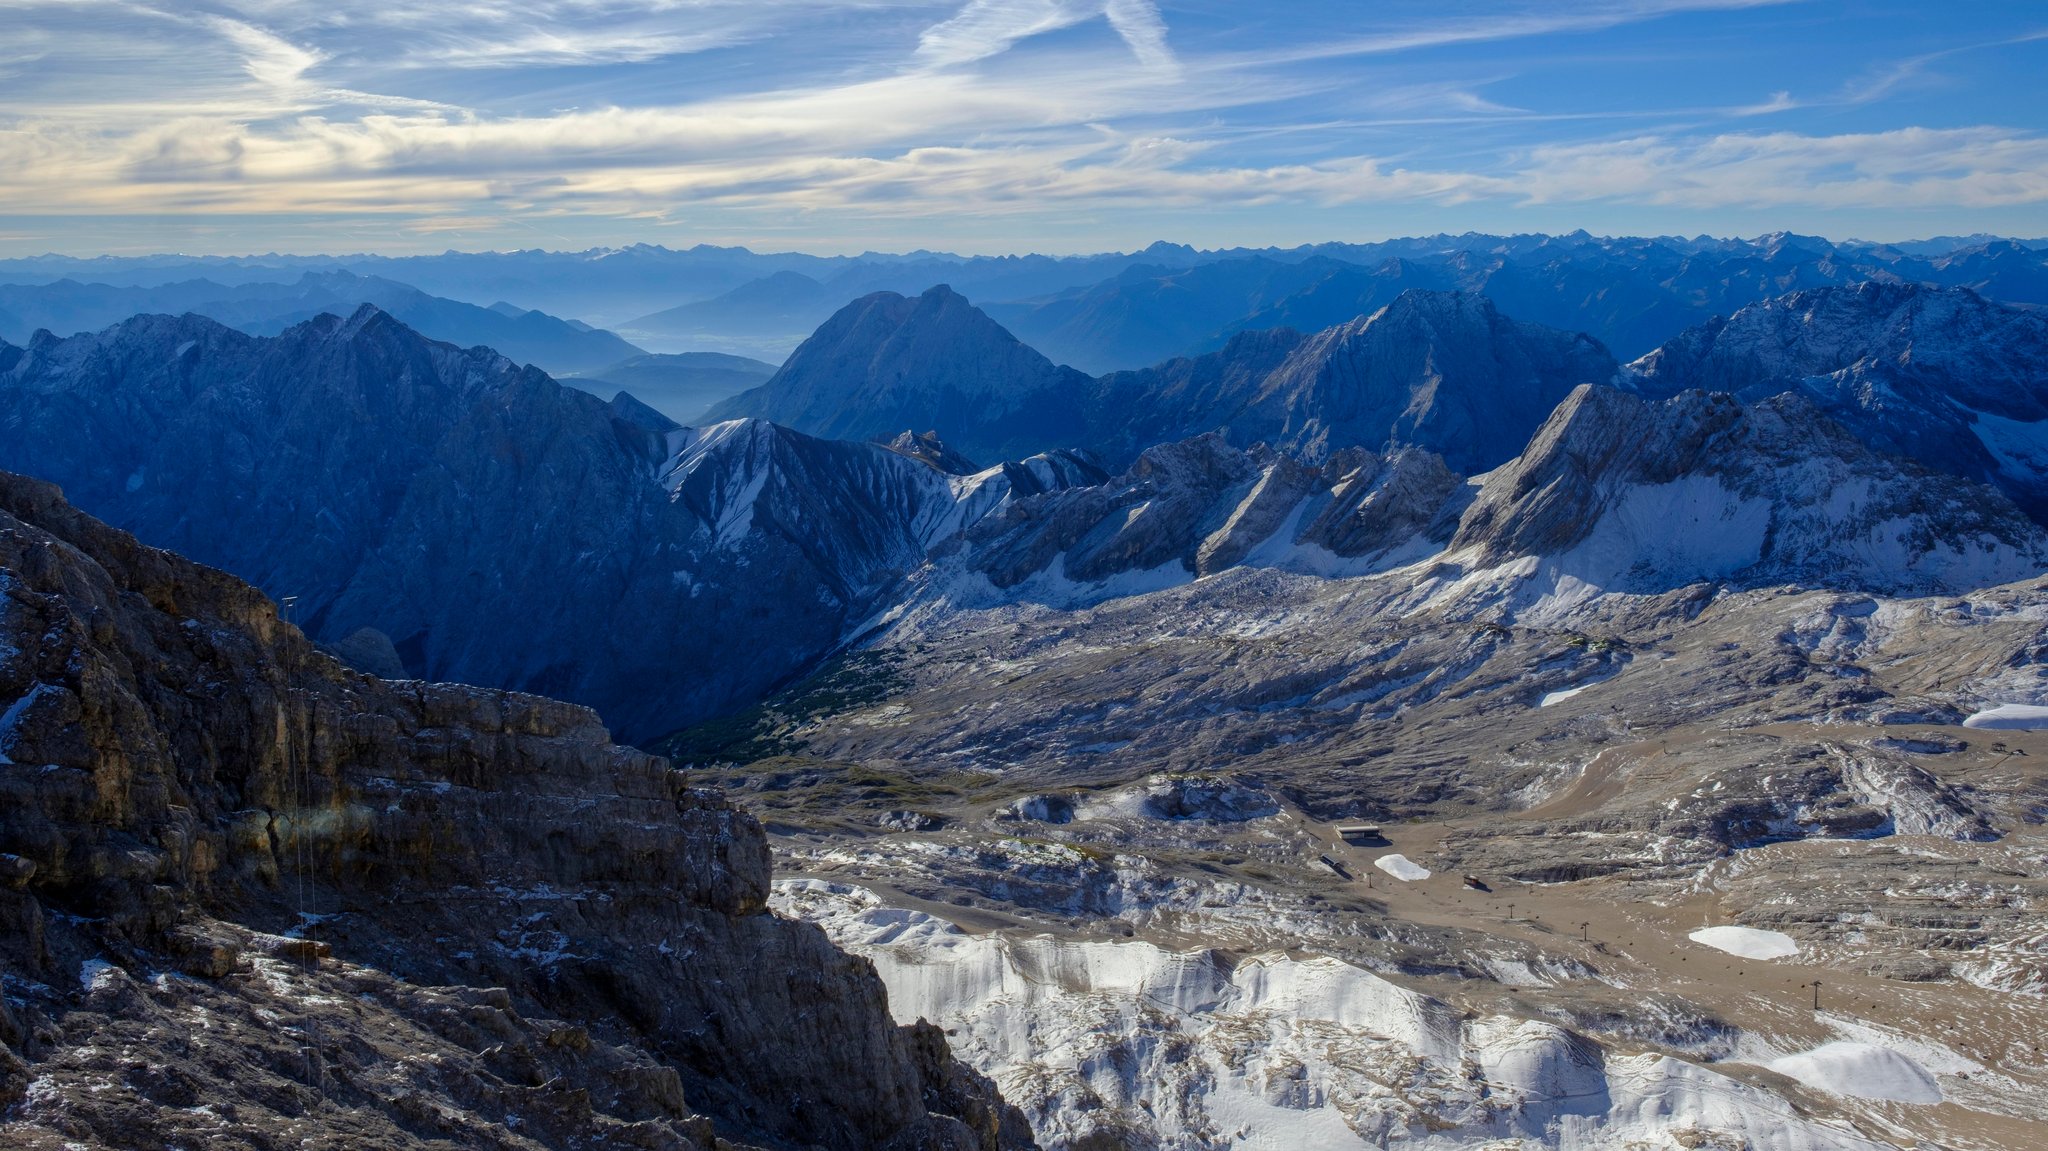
(248, 896)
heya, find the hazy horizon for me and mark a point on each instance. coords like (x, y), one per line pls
(1078, 253)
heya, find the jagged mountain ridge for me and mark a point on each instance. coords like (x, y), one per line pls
(1941, 375)
(525, 934)
(425, 492)
(1612, 494)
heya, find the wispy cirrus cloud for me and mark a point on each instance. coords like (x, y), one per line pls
(1506, 24)
(986, 28)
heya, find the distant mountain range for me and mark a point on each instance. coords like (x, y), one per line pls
(260, 308)
(1127, 310)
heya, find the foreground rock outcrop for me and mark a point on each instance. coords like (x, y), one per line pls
(248, 896)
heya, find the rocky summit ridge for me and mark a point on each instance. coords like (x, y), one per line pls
(253, 898)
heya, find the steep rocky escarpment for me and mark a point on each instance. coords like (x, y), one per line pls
(250, 897)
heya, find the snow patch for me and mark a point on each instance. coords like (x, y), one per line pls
(10, 718)
(2010, 717)
(1748, 942)
(1401, 867)
(1861, 1070)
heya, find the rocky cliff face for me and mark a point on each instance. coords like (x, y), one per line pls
(886, 362)
(251, 897)
(1939, 375)
(496, 527)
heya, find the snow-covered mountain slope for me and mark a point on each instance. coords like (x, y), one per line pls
(496, 527)
(886, 362)
(1620, 494)
(1941, 375)
(1070, 811)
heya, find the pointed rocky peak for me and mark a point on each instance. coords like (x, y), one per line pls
(928, 448)
(1153, 518)
(1053, 471)
(628, 409)
(1381, 502)
(886, 362)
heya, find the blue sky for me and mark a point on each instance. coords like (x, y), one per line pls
(235, 126)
